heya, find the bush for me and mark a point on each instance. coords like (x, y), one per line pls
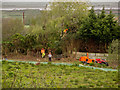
(113, 51)
(76, 64)
(58, 51)
(103, 65)
(91, 64)
(49, 63)
(98, 64)
(11, 26)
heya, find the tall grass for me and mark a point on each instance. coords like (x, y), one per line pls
(113, 53)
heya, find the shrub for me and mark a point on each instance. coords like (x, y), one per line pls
(71, 80)
(81, 86)
(49, 63)
(91, 64)
(76, 80)
(58, 51)
(113, 51)
(103, 65)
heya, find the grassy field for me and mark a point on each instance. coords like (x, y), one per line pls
(19, 13)
(24, 75)
(28, 14)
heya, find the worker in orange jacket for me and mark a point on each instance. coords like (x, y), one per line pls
(43, 52)
(65, 30)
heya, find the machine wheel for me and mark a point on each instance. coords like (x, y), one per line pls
(96, 61)
(106, 64)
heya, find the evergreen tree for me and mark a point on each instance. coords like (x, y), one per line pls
(88, 27)
(112, 25)
(109, 28)
(102, 15)
(101, 25)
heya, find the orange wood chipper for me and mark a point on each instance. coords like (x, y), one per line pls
(86, 59)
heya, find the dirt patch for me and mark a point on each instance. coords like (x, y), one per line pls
(20, 57)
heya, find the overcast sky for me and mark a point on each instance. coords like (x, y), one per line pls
(57, 0)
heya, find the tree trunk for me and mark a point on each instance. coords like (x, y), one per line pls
(16, 51)
(28, 52)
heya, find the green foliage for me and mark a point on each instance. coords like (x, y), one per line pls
(91, 64)
(10, 27)
(49, 63)
(113, 51)
(30, 41)
(102, 15)
(18, 41)
(88, 27)
(50, 24)
(46, 30)
(113, 47)
(7, 47)
(108, 27)
(98, 64)
(58, 51)
(100, 28)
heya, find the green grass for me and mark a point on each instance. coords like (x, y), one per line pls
(24, 75)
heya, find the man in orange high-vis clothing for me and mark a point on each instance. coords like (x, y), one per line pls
(43, 52)
(65, 30)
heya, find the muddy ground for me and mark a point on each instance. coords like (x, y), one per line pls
(20, 57)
